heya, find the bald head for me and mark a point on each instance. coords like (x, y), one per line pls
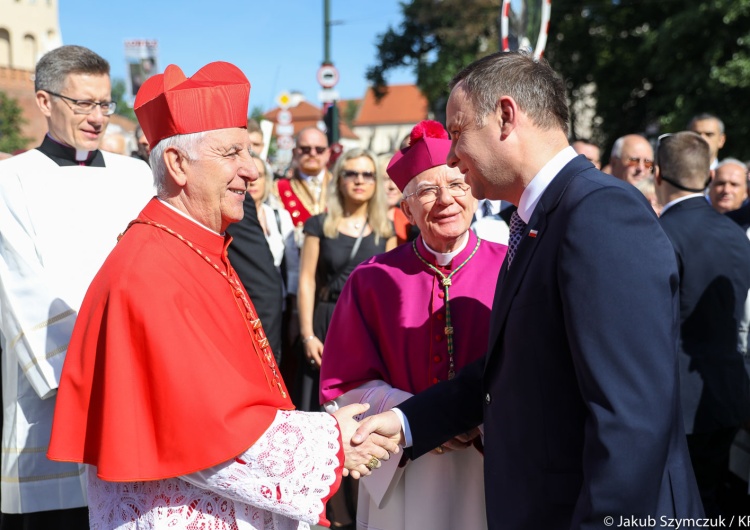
(311, 153)
(632, 158)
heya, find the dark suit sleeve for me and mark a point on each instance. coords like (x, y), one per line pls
(618, 285)
(446, 409)
(251, 257)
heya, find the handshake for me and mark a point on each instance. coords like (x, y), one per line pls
(367, 443)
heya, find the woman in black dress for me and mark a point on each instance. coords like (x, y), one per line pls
(355, 228)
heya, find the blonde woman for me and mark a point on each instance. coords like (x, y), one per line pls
(355, 228)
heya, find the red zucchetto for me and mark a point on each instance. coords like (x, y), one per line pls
(428, 147)
(216, 97)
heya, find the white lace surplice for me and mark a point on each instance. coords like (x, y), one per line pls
(277, 484)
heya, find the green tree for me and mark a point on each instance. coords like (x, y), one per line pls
(11, 120)
(118, 96)
(257, 113)
(436, 38)
(655, 63)
(645, 65)
(350, 112)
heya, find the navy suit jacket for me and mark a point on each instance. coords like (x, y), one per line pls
(713, 259)
(741, 216)
(578, 392)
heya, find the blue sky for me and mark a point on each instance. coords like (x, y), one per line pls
(278, 44)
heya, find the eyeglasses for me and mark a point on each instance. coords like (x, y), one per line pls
(634, 162)
(430, 194)
(85, 106)
(307, 149)
(366, 175)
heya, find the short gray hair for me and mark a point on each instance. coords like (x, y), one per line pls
(533, 84)
(55, 66)
(732, 161)
(187, 143)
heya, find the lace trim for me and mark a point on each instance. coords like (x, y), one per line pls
(277, 484)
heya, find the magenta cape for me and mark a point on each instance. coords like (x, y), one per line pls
(162, 376)
(390, 318)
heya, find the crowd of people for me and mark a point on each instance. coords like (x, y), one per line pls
(484, 329)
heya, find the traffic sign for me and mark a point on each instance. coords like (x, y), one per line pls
(285, 143)
(328, 76)
(284, 100)
(284, 130)
(328, 96)
(284, 117)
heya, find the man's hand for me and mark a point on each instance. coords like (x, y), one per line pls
(357, 456)
(386, 424)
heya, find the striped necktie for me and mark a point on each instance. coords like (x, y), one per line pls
(517, 227)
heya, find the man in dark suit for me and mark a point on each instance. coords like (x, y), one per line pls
(578, 392)
(252, 259)
(713, 258)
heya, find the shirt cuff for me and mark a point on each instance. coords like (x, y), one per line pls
(404, 426)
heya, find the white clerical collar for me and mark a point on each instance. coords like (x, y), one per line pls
(318, 177)
(680, 199)
(535, 189)
(186, 216)
(82, 155)
(444, 259)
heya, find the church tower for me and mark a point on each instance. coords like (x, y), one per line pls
(28, 30)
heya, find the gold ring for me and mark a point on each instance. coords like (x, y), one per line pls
(440, 449)
(373, 463)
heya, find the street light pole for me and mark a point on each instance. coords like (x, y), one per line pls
(330, 109)
(326, 31)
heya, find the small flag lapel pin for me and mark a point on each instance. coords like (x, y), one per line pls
(533, 233)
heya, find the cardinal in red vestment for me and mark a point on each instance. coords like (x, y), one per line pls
(170, 391)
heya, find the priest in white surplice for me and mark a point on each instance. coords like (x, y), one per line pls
(62, 206)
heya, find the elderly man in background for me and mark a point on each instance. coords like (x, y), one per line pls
(171, 392)
(632, 158)
(728, 188)
(428, 318)
(711, 128)
(304, 195)
(61, 208)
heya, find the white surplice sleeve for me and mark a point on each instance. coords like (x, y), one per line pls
(289, 470)
(35, 322)
(280, 483)
(381, 396)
